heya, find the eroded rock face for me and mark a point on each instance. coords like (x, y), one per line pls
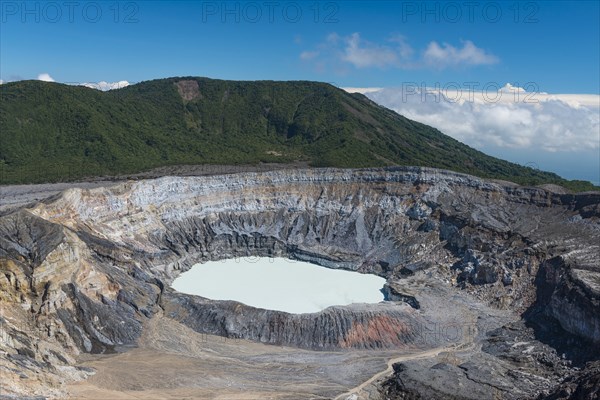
(358, 327)
(584, 385)
(88, 267)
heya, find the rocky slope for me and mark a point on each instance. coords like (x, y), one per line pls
(84, 270)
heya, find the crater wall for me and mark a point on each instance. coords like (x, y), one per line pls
(89, 266)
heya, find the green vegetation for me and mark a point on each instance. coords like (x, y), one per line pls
(55, 132)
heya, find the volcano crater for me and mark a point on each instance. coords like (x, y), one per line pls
(94, 265)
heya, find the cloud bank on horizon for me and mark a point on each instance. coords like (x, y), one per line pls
(102, 85)
(510, 117)
(45, 77)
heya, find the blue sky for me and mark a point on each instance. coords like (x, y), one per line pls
(543, 46)
(554, 44)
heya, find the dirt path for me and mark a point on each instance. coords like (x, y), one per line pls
(389, 370)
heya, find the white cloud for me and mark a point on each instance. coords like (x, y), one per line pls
(104, 86)
(363, 54)
(308, 55)
(448, 55)
(404, 49)
(361, 90)
(45, 77)
(508, 88)
(510, 117)
(396, 52)
(333, 38)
